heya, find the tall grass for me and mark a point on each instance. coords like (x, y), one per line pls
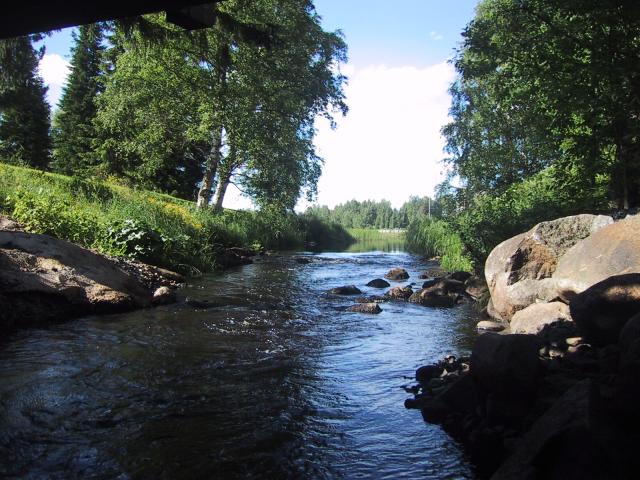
(436, 238)
(149, 226)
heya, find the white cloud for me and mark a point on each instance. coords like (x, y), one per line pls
(435, 35)
(54, 70)
(389, 145)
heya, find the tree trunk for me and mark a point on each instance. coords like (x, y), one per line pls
(223, 183)
(211, 166)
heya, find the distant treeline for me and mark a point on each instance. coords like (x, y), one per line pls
(377, 214)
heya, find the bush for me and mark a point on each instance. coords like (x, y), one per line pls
(433, 237)
(491, 220)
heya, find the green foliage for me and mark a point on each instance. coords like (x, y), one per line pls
(24, 112)
(490, 220)
(73, 131)
(546, 83)
(379, 215)
(144, 225)
(432, 237)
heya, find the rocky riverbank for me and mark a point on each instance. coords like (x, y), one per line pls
(558, 396)
(44, 279)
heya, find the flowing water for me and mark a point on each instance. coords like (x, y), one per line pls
(277, 381)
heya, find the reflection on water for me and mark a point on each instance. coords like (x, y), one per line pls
(279, 382)
(377, 241)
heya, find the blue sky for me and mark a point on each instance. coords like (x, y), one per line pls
(389, 145)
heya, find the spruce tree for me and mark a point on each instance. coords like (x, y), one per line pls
(73, 132)
(24, 112)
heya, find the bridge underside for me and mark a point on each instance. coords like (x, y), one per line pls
(21, 17)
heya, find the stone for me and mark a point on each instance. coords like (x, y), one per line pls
(371, 299)
(427, 372)
(443, 293)
(47, 279)
(431, 282)
(476, 288)
(345, 290)
(234, 257)
(601, 311)
(399, 293)
(397, 274)
(365, 308)
(515, 267)
(559, 444)
(536, 316)
(490, 326)
(435, 272)
(163, 296)
(506, 364)
(611, 250)
(378, 283)
(459, 276)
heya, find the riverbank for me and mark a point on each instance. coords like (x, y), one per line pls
(555, 395)
(146, 226)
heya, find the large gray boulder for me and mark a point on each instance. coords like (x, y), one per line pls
(611, 250)
(45, 279)
(519, 271)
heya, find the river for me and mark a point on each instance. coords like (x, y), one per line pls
(275, 382)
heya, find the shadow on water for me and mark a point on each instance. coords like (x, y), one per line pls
(278, 382)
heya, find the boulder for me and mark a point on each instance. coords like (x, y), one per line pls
(397, 274)
(519, 270)
(459, 276)
(612, 250)
(536, 316)
(345, 290)
(443, 293)
(48, 279)
(559, 444)
(601, 311)
(365, 308)
(378, 283)
(506, 361)
(399, 293)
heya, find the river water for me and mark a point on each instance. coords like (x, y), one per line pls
(275, 382)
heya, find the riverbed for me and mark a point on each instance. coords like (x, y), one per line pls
(274, 380)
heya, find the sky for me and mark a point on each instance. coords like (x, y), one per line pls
(389, 145)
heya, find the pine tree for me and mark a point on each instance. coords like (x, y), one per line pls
(24, 112)
(73, 132)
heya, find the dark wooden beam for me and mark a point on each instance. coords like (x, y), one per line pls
(21, 17)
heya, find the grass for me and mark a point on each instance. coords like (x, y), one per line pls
(436, 238)
(152, 227)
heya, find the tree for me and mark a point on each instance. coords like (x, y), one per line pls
(73, 131)
(249, 109)
(24, 112)
(545, 83)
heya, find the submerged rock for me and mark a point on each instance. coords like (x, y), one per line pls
(345, 290)
(378, 283)
(399, 293)
(163, 296)
(397, 274)
(365, 308)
